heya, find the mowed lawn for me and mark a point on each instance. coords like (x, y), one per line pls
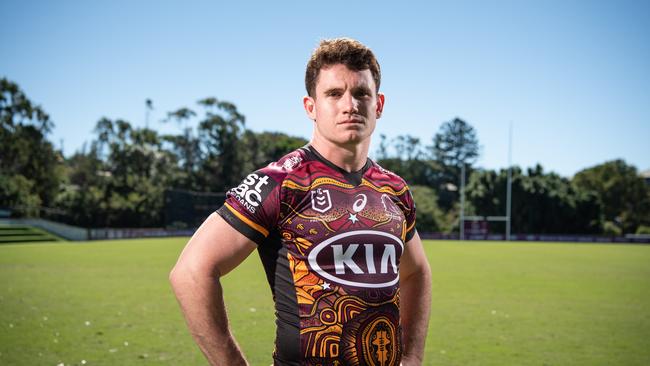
(109, 303)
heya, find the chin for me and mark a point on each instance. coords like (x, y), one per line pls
(354, 138)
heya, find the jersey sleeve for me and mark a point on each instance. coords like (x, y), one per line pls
(252, 208)
(409, 214)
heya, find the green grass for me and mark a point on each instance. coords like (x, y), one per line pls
(109, 303)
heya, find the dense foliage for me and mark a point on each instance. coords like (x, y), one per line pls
(624, 196)
(120, 177)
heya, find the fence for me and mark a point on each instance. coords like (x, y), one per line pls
(630, 238)
(75, 233)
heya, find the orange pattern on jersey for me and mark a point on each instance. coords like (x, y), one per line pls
(315, 183)
(306, 283)
(326, 180)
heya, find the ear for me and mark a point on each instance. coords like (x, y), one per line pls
(380, 104)
(310, 106)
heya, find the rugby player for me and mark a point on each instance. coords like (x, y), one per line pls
(335, 233)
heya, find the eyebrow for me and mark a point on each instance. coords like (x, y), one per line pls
(354, 89)
(363, 88)
(330, 90)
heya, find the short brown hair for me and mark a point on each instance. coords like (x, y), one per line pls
(346, 51)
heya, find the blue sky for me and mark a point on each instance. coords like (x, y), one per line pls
(573, 77)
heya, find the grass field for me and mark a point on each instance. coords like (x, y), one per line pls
(109, 303)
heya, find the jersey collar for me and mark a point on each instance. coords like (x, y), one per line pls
(353, 178)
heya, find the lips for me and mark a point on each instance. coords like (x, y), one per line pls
(354, 121)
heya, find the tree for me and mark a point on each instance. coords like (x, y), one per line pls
(16, 192)
(187, 149)
(622, 192)
(407, 157)
(429, 217)
(260, 149)
(82, 193)
(120, 182)
(543, 203)
(219, 133)
(28, 161)
(455, 145)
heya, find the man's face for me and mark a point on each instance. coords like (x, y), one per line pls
(345, 106)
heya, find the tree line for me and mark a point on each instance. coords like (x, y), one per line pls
(118, 179)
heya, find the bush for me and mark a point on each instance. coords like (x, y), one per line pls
(429, 215)
(610, 228)
(643, 229)
(16, 194)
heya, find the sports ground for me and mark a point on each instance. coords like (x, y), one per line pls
(494, 303)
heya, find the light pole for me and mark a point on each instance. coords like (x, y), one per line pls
(462, 201)
(509, 188)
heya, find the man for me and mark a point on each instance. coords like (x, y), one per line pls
(335, 232)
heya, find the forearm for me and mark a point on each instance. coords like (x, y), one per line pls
(415, 305)
(201, 299)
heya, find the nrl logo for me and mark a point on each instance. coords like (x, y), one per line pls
(321, 201)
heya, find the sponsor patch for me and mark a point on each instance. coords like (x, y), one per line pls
(292, 162)
(361, 258)
(253, 190)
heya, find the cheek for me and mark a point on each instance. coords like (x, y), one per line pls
(324, 111)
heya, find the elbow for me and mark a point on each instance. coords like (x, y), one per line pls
(177, 276)
(185, 278)
(420, 276)
(182, 282)
(427, 272)
(426, 276)
(173, 277)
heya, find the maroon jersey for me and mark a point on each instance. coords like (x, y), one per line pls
(330, 242)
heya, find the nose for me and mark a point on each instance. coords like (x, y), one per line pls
(350, 104)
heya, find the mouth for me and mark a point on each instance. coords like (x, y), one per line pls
(352, 121)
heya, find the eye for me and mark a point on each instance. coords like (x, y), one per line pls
(362, 93)
(333, 93)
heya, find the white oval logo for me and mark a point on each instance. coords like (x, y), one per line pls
(360, 203)
(362, 258)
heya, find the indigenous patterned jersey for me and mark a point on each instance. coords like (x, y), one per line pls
(330, 242)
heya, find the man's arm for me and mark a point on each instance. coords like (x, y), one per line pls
(214, 250)
(415, 300)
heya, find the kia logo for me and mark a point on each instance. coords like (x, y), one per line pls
(362, 258)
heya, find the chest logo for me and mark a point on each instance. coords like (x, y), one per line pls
(360, 202)
(390, 207)
(321, 201)
(361, 258)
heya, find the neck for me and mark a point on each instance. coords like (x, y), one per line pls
(349, 157)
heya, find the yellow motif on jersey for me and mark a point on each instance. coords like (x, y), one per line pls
(326, 180)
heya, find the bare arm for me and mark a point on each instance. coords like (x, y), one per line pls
(214, 250)
(415, 300)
